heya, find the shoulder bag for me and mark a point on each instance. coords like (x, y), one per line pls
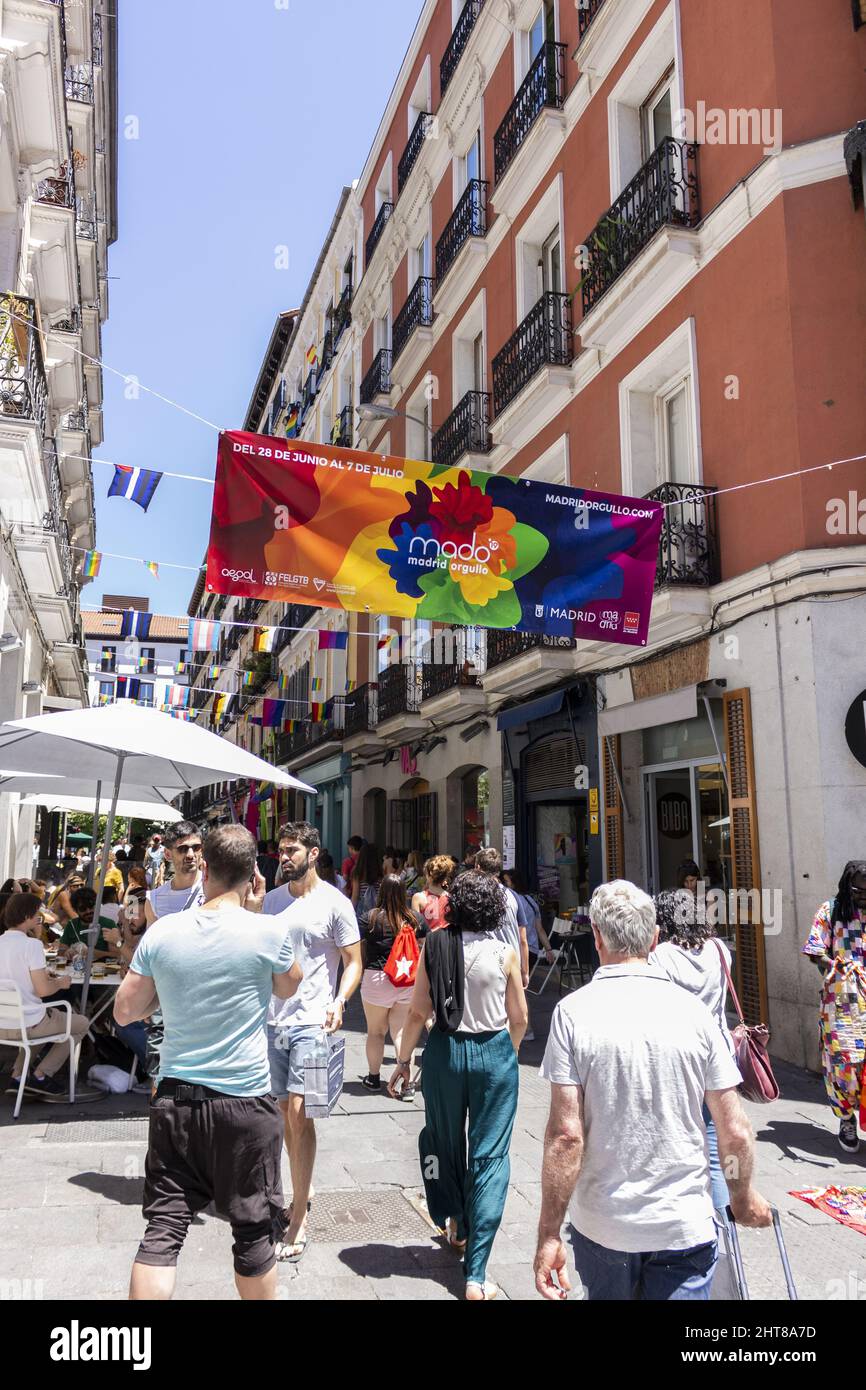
(750, 1045)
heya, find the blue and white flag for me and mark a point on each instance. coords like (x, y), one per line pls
(135, 484)
(135, 624)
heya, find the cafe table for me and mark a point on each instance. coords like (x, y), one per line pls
(100, 1002)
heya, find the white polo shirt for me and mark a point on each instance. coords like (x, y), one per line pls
(644, 1051)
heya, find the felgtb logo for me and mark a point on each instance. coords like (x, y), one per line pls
(237, 575)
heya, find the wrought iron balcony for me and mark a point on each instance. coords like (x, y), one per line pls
(437, 677)
(458, 41)
(504, 645)
(361, 712)
(544, 338)
(58, 192)
(586, 13)
(414, 146)
(71, 324)
(308, 395)
(466, 431)
(79, 82)
(377, 382)
(469, 218)
(344, 427)
(23, 389)
(688, 548)
(54, 520)
(399, 691)
(544, 85)
(342, 314)
(86, 218)
(664, 192)
(327, 352)
(376, 231)
(417, 312)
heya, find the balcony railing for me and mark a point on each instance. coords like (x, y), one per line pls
(467, 430)
(458, 41)
(86, 218)
(327, 352)
(417, 312)
(504, 645)
(376, 231)
(544, 85)
(469, 218)
(79, 82)
(437, 677)
(342, 314)
(377, 382)
(23, 389)
(414, 146)
(308, 395)
(344, 427)
(399, 691)
(361, 710)
(664, 192)
(586, 13)
(58, 192)
(53, 519)
(688, 548)
(544, 338)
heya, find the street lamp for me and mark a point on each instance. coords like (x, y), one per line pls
(387, 412)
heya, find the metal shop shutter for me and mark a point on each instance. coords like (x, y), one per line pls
(549, 766)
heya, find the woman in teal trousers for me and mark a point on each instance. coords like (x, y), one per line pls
(471, 981)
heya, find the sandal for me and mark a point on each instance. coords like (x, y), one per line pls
(488, 1291)
(299, 1248)
(457, 1245)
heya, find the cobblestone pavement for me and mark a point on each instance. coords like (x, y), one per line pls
(71, 1183)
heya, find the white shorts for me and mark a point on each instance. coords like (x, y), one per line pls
(377, 989)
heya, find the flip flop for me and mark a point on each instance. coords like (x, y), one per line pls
(488, 1291)
(300, 1248)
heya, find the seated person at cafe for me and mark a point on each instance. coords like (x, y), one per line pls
(75, 932)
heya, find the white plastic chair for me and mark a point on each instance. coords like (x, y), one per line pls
(12, 1017)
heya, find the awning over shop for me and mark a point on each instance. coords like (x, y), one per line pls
(531, 709)
(646, 714)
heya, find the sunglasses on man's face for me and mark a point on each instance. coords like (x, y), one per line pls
(188, 849)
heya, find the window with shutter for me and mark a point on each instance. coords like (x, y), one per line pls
(614, 858)
(751, 963)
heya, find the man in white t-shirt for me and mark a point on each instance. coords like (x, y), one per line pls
(631, 1058)
(184, 889)
(324, 933)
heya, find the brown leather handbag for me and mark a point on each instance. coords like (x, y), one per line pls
(750, 1045)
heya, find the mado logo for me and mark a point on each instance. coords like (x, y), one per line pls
(237, 575)
(442, 554)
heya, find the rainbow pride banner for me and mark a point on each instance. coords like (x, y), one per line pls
(335, 528)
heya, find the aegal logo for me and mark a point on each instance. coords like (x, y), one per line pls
(239, 574)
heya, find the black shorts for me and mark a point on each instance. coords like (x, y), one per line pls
(226, 1150)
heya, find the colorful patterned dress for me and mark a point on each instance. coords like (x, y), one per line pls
(843, 1008)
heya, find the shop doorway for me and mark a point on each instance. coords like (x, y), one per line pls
(375, 817)
(413, 818)
(687, 816)
(559, 833)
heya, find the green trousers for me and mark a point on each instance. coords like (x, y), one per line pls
(470, 1076)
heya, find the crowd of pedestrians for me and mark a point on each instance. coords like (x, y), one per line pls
(240, 958)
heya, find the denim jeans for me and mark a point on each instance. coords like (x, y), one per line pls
(657, 1276)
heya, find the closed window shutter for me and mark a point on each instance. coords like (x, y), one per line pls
(751, 964)
(614, 858)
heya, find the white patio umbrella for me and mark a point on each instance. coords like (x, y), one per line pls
(130, 745)
(135, 810)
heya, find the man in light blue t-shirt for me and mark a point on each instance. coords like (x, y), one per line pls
(215, 1128)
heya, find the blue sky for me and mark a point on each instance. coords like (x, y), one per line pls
(251, 119)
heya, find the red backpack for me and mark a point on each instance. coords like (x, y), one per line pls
(401, 967)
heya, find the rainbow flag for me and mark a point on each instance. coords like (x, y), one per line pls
(152, 567)
(292, 423)
(350, 686)
(248, 678)
(282, 683)
(214, 673)
(317, 683)
(264, 641)
(317, 712)
(90, 565)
